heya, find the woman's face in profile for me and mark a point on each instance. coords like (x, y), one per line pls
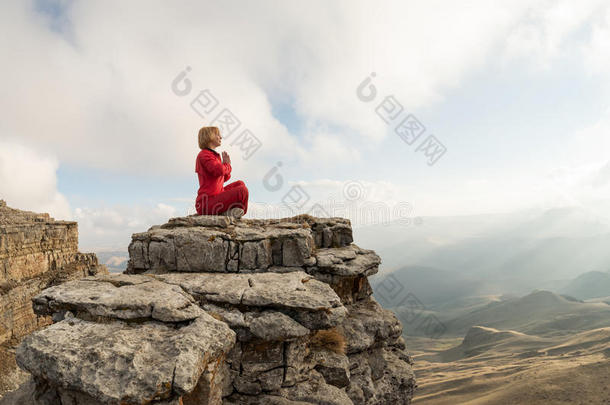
(216, 140)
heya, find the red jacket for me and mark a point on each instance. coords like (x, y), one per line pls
(212, 172)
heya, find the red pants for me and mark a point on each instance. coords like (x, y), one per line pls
(234, 195)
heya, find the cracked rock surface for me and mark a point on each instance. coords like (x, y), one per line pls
(289, 290)
(139, 298)
(347, 261)
(123, 363)
(36, 252)
(214, 310)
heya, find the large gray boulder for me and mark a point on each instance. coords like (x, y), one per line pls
(125, 363)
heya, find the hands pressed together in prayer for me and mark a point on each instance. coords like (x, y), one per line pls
(226, 158)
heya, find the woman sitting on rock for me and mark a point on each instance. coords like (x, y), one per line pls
(212, 197)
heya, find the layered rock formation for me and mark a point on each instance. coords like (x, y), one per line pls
(223, 311)
(36, 252)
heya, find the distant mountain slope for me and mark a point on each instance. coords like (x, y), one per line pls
(593, 284)
(521, 258)
(539, 313)
(481, 339)
(494, 366)
(435, 286)
(526, 250)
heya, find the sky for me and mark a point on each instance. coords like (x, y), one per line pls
(508, 104)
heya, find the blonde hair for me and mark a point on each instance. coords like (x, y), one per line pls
(205, 133)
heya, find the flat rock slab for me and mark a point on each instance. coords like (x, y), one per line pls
(202, 249)
(347, 261)
(220, 244)
(196, 220)
(328, 232)
(296, 290)
(120, 297)
(310, 302)
(273, 325)
(123, 363)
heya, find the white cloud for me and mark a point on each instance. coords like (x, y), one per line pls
(99, 94)
(111, 227)
(583, 185)
(546, 30)
(589, 145)
(28, 181)
(327, 150)
(602, 177)
(363, 202)
(353, 189)
(597, 52)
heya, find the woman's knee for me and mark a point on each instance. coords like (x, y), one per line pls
(243, 189)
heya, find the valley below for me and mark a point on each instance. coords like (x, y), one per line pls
(542, 348)
(501, 309)
(512, 368)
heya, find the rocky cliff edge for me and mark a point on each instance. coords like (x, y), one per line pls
(36, 252)
(221, 311)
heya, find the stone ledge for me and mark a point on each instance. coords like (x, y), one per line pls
(220, 244)
(121, 363)
(116, 297)
(346, 261)
(309, 302)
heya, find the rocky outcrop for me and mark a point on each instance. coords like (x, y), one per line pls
(322, 247)
(122, 340)
(35, 252)
(222, 311)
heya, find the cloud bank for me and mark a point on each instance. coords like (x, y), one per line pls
(88, 83)
(91, 80)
